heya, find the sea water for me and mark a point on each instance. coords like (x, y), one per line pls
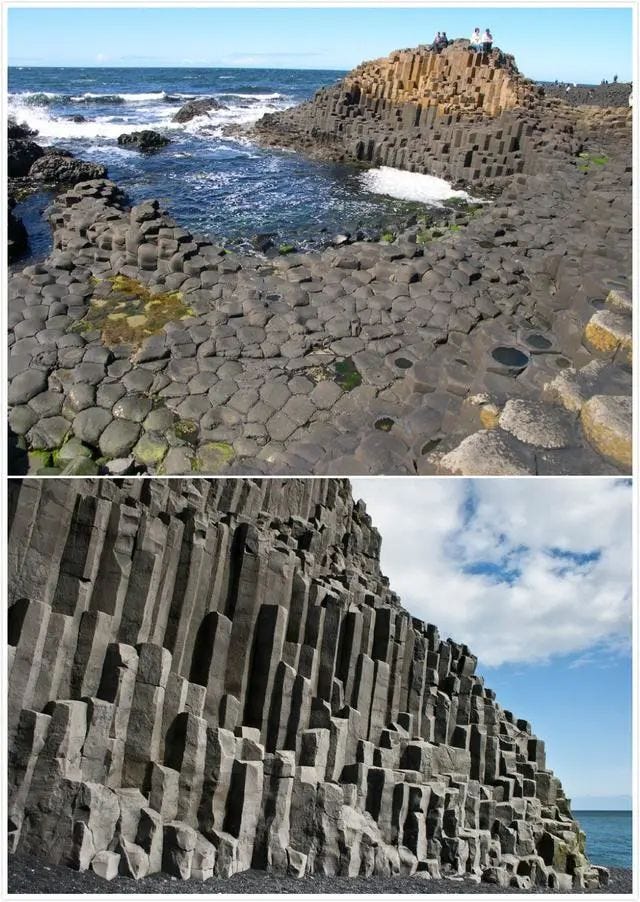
(209, 181)
(609, 836)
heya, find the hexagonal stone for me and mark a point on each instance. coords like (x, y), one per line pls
(47, 403)
(138, 380)
(606, 420)
(48, 433)
(107, 395)
(222, 391)
(26, 385)
(80, 396)
(178, 461)
(213, 457)
(72, 450)
(280, 427)
(489, 453)
(607, 331)
(573, 387)
(151, 449)
(538, 424)
(119, 438)
(90, 423)
(132, 407)
(159, 420)
(325, 394)
(91, 373)
(276, 394)
(21, 419)
(298, 409)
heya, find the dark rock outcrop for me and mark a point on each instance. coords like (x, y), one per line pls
(62, 168)
(211, 676)
(146, 140)
(194, 108)
(18, 241)
(21, 155)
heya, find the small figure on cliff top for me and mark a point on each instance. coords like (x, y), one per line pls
(440, 41)
(475, 41)
(615, 79)
(487, 41)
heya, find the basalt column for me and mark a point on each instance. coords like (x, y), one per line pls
(213, 675)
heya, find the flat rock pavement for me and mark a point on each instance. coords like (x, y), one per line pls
(28, 875)
(139, 347)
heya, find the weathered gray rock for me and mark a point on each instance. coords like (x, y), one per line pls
(194, 108)
(197, 686)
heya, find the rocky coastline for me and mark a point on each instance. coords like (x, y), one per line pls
(495, 342)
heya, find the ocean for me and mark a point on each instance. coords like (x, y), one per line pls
(211, 183)
(609, 837)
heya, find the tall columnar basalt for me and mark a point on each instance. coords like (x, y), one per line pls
(213, 675)
(465, 116)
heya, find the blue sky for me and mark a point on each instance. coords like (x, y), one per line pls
(575, 44)
(535, 576)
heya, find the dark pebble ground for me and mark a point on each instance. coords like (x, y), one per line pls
(28, 875)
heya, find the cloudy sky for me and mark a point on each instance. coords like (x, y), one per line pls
(535, 576)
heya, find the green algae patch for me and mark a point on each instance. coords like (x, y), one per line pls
(39, 460)
(590, 160)
(130, 313)
(150, 449)
(185, 431)
(286, 249)
(347, 374)
(213, 457)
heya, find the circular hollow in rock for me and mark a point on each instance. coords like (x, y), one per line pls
(538, 342)
(384, 424)
(598, 303)
(562, 363)
(512, 358)
(431, 445)
(403, 363)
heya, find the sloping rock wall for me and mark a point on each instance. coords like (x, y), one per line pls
(457, 114)
(213, 675)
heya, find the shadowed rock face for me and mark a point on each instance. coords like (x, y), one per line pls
(213, 675)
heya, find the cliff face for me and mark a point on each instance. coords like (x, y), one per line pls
(212, 675)
(464, 116)
(454, 80)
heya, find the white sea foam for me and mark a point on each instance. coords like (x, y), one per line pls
(410, 186)
(138, 112)
(52, 128)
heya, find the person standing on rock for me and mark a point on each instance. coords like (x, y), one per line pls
(476, 41)
(487, 41)
(437, 41)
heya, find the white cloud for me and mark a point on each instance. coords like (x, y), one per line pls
(518, 569)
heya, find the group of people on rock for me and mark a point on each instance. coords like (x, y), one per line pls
(481, 43)
(440, 41)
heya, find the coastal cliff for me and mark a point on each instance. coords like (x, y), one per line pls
(485, 338)
(458, 114)
(208, 676)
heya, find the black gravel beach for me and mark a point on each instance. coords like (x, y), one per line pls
(28, 875)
